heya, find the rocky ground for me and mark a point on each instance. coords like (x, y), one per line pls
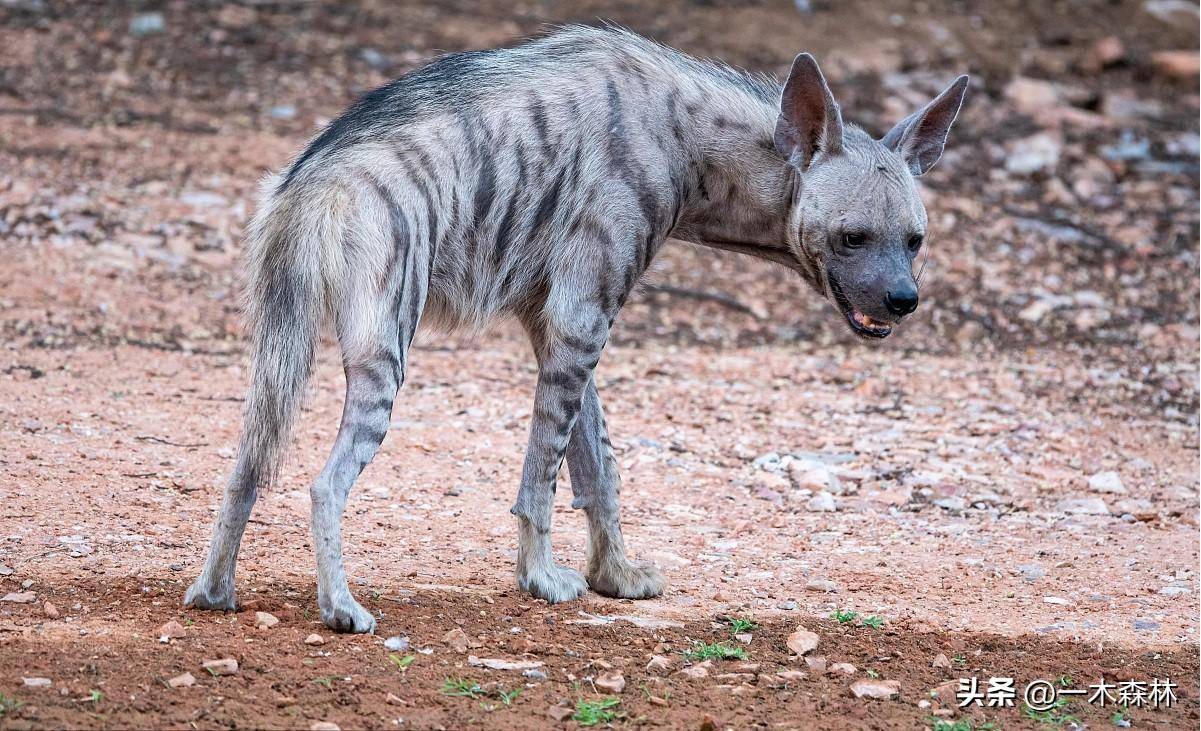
(1009, 483)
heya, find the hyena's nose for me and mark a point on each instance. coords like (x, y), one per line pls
(902, 300)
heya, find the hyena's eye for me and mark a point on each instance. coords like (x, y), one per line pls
(854, 240)
(915, 242)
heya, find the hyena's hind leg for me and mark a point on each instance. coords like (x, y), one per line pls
(595, 484)
(375, 328)
(568, 347)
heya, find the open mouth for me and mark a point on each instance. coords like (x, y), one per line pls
(861, 324)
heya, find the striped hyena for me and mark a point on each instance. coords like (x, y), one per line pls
(540, 181)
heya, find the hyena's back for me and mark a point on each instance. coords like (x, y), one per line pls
(511, 180)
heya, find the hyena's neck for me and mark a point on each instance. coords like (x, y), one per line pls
(744, 188)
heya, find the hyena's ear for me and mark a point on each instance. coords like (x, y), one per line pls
(920, 137)
(809, 120)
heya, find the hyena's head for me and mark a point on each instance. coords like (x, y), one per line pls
(856, 217)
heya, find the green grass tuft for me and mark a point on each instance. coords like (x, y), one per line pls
(590, 713)
(715, 651)
(844, 616)
(739, 625)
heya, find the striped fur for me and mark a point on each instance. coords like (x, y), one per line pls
(538, 182)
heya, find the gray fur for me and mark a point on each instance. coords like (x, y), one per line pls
(539, 182)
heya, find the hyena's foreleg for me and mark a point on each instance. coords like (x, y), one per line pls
(568, 341)
(595, 484)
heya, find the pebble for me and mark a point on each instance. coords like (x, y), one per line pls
(50, 611)
(186, 680)
(283, 111)
(816, 663)
(1175, 591)
(822, 502)
(559, 714)
(878, 689)
(1138, 507)
(1145, 624)
(535, 675)
(612, 683)
(807, 474)
(1083, 506)
(324, 726)
(5, 570)
(802, 641)
(1180, 64)
(317, 640)
(147, 24)
(171, 631)
(1032, 572)
(19, 597)
(457, 639)
(394, 700)
(224, 666)
(398, 644)
(1107, 482)
(1036, 153)
(36, 682)
(843, 668)
(659, 664)
(821, 585)
(698, 671)
(953, 503)
(265, 620)
(941, 661)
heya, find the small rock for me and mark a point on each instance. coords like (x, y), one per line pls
(802, 641)
(878, 689)
(1083, 506)
(1104, 52)
(698, 671)
(843, 668)
(497, 663)
(744, 637)
(822, 502)
(1175, 591)
(953, 503)
(224, 666)
(394, 700)
(612, 683)
(185, 680)
(1145, 624)
(558, 714)
(1039, 152)
(659, 665)
(457, 639)
(401, 643)
(283, 111)
(324, 726)
(821, 585)
(5, 570)
(50, 611)
(535, 675)
(941, 661)
(171, 631)
(265, 620)
(1180, 64)
(816, 663)
(1056, 600)
(1107, 482)
(147, 24)
(810, 474)
(1032, 572)
(1032, 97)
(19, 597)
(1138, 507)
(36, 682)
(316, 640)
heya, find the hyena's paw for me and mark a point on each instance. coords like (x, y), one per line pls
(203, 595)
(553, 583)
(626, 579)
(347, 615)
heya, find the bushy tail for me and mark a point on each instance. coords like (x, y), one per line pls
(286, 303)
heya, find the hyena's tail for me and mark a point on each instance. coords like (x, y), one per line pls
(289, 277)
